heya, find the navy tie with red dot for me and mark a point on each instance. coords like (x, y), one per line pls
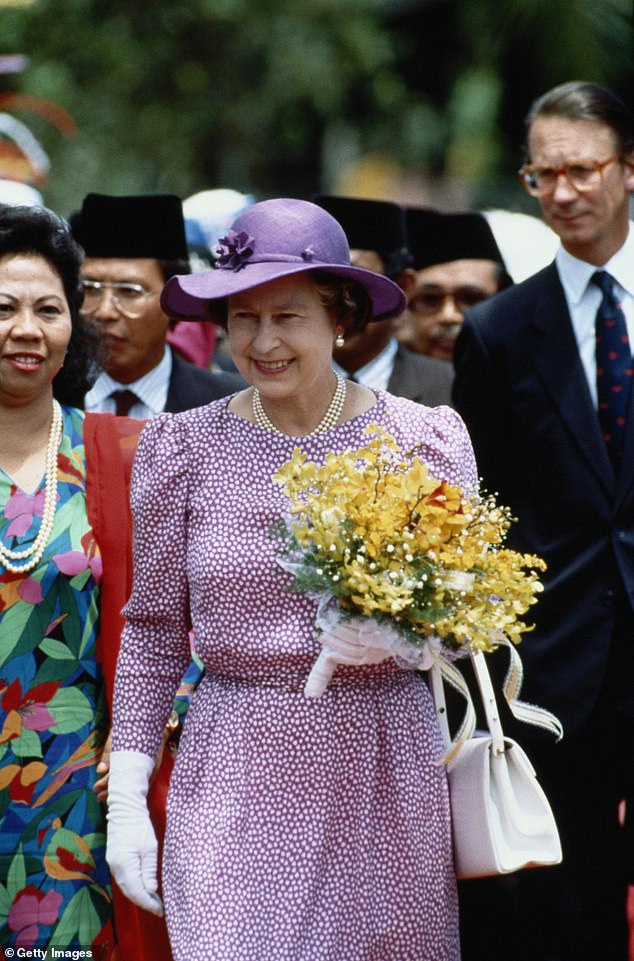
(614, 367)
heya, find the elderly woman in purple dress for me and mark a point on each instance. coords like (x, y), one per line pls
(298, 829)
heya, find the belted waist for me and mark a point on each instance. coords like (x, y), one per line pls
(293, 680)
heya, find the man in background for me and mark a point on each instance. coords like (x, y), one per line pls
(543, 381)
(133, 245)
(376, 233)
(457, 264)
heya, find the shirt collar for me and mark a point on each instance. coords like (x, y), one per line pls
(575, 274)
(151, 389)
(377, 371)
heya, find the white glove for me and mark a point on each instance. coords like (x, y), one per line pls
(364, 641)
(357, 642)
(131, 845)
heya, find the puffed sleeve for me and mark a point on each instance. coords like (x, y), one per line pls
(448, 449)
(439, 437)
(155, 649)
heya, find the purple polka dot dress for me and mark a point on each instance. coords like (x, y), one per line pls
(298, 830)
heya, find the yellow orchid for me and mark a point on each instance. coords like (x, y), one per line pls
(375, 529)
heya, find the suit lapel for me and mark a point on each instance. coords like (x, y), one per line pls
(555, 354)
(173, 401)
(400, 380)
(421, 379)
(626, 473)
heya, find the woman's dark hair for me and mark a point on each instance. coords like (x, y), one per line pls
(580, 100)
(37, 230)
(347, 302)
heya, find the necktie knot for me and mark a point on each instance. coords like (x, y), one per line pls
(604, 281)
(123, 400)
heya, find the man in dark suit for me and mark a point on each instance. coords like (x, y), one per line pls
(376, 233)
(133, 245)
(538, 398)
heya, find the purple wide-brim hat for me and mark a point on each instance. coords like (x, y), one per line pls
(272, 239)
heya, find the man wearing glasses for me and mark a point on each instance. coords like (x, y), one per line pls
(543, 381)
(456, 264)
(133, 245)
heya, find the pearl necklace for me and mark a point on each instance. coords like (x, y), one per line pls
(328, 421)
(35, 551)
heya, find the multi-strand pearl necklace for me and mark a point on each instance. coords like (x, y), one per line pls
(328, 421)
(35, 551)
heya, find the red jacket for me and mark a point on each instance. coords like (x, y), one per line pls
(110, 444)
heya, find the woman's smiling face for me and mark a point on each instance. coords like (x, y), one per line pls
(35, 326)
(281, 338)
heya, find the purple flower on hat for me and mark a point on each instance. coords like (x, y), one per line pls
(234, 250)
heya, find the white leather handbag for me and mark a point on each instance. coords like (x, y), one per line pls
(501, 818)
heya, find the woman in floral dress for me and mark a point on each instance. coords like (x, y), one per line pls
(58, 637)
(297, 829)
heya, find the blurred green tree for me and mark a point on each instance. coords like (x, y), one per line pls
(277, 96)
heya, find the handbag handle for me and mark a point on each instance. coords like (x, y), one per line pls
(478, 661)
(487, 694)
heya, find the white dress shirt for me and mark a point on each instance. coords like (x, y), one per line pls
(151, 389)
(377, 372)
(583, 299)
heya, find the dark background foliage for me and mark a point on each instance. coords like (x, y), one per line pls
(421, 100)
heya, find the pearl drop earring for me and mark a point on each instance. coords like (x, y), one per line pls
(339, 340)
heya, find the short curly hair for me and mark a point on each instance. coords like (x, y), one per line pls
(37, 230)
(347, 302)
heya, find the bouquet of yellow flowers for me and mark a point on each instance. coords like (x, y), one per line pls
(372, 530)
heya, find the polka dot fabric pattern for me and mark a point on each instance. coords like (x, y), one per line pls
(298, 830)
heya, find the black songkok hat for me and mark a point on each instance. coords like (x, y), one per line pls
(435, 237)
(377, 225)
(145, 225)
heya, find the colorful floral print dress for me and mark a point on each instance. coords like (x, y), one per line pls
(54, 882)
